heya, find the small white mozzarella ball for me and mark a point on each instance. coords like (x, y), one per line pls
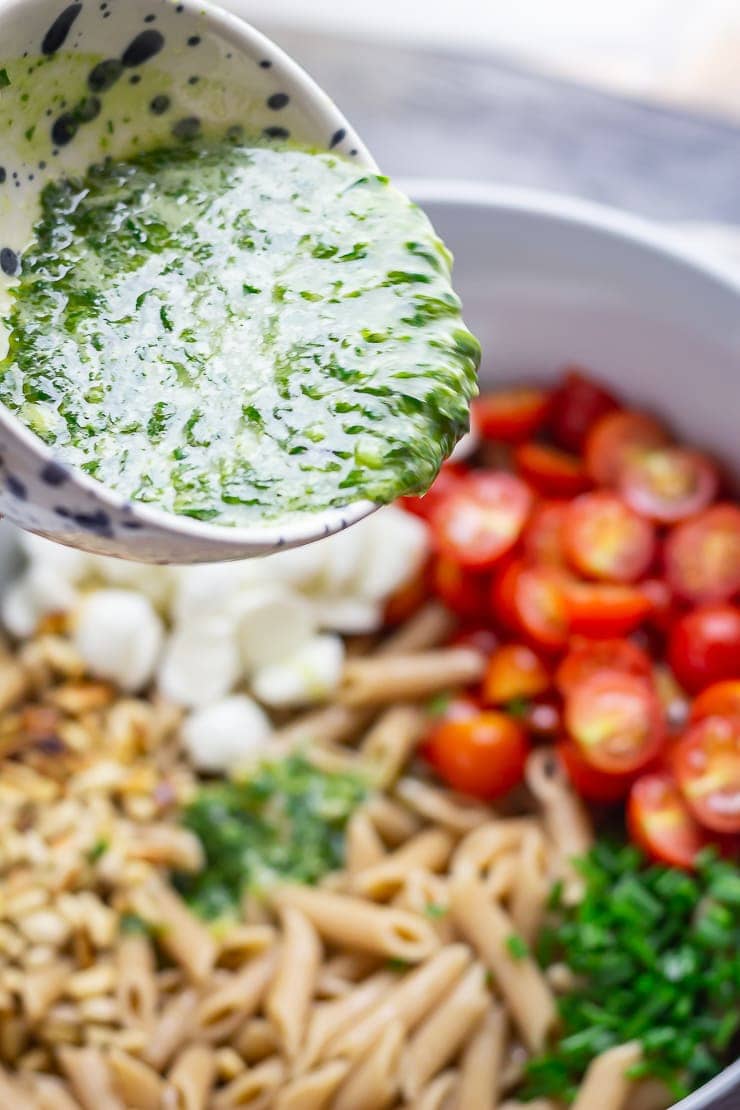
(274, 623)
(207, 588)
(342, 554)
(200, 663)
(66, 562)
(352, 616)
(229, 732)
(300, 567)
(154, 582)
(41, 590)
(119, 635)
(310, 675)
(396, 549)
(19, 613)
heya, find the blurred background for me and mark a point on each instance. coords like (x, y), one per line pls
(635, 103)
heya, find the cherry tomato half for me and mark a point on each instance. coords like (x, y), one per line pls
(704, 646)
(541, 607)
(463, 591)
(660, 821)
(606, 610)
(702, 555)
(616, 720)
(586, 657)
(482, 755)
(721, 699)
(616, 439)
(511, 415)
(576, 405)
(706, 763)
(514, 671)
(668, 485)
(481, 519)
(605, 539)
(552, 472)
(544, 536)
(589, 781)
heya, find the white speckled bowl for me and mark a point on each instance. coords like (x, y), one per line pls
(112, 77)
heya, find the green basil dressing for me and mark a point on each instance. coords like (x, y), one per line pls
(237, 333)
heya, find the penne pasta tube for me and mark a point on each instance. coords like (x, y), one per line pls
(357, 924)
(241, 943)
(438, 1039)
(393, 821)
(566, 821)
(606, 1086)
(333, 724)
(256, 1088)
(390, 743)
(255, 1040)
(482, 1061)
(41, 986)
(181, 934)
(229, 1003)
(330, 1018)
(432, 625)
(50, 1093)
(535, 1104)
(442, 1094)
(172, 1028)
(89, 1078)
(135, 1082)
(136, 988)
(426, 894)
(428, 850)
(291, 991)
(314, 1090)
(649, 1094)
(363, 846)
(452, 811)
(373, 1084)
(477, 854)
(488, 928)
(408, 1003)
(378, 680)
(12, 1095)
(531, 887)
(190, 1079)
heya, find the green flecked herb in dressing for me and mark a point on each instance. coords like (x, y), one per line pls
(236, 333)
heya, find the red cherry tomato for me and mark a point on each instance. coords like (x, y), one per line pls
(544, 536)
(704, 646)
(576, 405)
(605, 539)
(589, 781)
(706, 763)
(540, 604)
(702, 555)
(552, 472)
(511, 415)
(463, 591)
(586, 657)
(618, 438)
(481, 519)
(662, 824)
(604, 610)
(482, 755)
(502, 595)
(407, 598)
(514, 671)
(659, 594)
(721, 699)
(616, 720)
(668, 485)
(448, 479)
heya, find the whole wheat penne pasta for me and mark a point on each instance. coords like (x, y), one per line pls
(426, 893)
(229, 1063)
(173, 1026)
(190, 1079)
(477, 853)
(335, 724)
(257, 1088)
(566, 821)
(50, 1093)
(241, 943)
(488, 928)
(378, 680)
(89, 1078)
(350, 921)
(649, 1094)
(439, 1037)
(40, 987)
(314, 1090)
(452, 811)
(432, 625)
(408, 1002)
(428, 850)
(166, 846)
(605, 1086)
(332, 759)
(363, 846)
(228, 1004)
(532, 885)
(183, 936)
(373, 1083)
(255, 1040)
(441, 1094)
(291, 991)
(135, 1082)
(136, 989)
(482, 1060)
(352, 966)
(393, 821)
(330, 1018)
(387, 747)
(535, 1104)
(12, 1095)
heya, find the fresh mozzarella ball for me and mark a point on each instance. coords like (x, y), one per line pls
(201, 661)
(119, 635)
(352, 616)
(396, 549)
(66, 562)
(154, 582)
(311, 674)
(226, 733)
(300, 567)
(19, 613)
(342, 554)
(274, 623)
(207, 588)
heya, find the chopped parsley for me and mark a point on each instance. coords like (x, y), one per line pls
(4, 79)
(517, 947)
(657, 955)
(285, 822)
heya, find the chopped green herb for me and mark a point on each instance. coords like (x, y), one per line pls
(4, 79)
(130, 924)
(437, 705)
(285, 822)
(99, 848)
(517, 946)
(397, 964)
(434, 910)
(518, 708)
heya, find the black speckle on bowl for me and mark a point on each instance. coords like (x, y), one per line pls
(186, 128)
(104, 75)
(60, 28)
(277, 101)
(9, 262)
(337, 137)
(159, 104)
(142, 48)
